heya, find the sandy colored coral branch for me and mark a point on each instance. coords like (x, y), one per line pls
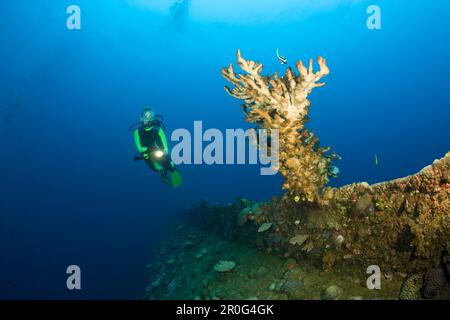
(272, 102)
(286, 95)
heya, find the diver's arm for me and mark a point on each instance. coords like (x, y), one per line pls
(137, 141)
(162, 136)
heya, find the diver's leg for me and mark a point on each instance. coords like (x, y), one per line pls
(167, 164)
(159, 168)
(151, 164)
(173, 174)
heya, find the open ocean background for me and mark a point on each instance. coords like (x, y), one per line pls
(70, 192)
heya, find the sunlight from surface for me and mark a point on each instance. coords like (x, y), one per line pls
(243, 12)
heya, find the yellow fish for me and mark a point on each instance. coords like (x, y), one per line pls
(376, 159)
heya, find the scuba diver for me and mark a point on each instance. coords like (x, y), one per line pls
(151, 143)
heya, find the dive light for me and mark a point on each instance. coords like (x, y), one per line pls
(158, 153)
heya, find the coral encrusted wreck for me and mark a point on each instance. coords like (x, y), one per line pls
(314, 241)
(401, 225)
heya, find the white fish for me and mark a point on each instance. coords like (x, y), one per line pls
(281, 59)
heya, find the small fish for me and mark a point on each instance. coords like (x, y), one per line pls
(376, 159)
(281, 59)
(333, 172)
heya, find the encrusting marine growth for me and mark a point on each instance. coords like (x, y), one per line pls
(402, 225)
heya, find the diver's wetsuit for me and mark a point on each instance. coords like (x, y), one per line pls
(148, 140)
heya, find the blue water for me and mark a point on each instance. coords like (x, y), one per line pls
(70, 192)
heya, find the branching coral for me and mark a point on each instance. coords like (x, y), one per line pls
(278, 103)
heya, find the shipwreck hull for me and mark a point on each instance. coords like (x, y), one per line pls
(401, 225)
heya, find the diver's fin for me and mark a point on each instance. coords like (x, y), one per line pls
(175, 179)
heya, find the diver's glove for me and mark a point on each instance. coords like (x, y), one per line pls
(141, 156)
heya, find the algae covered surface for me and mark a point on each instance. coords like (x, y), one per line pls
(184, 269)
